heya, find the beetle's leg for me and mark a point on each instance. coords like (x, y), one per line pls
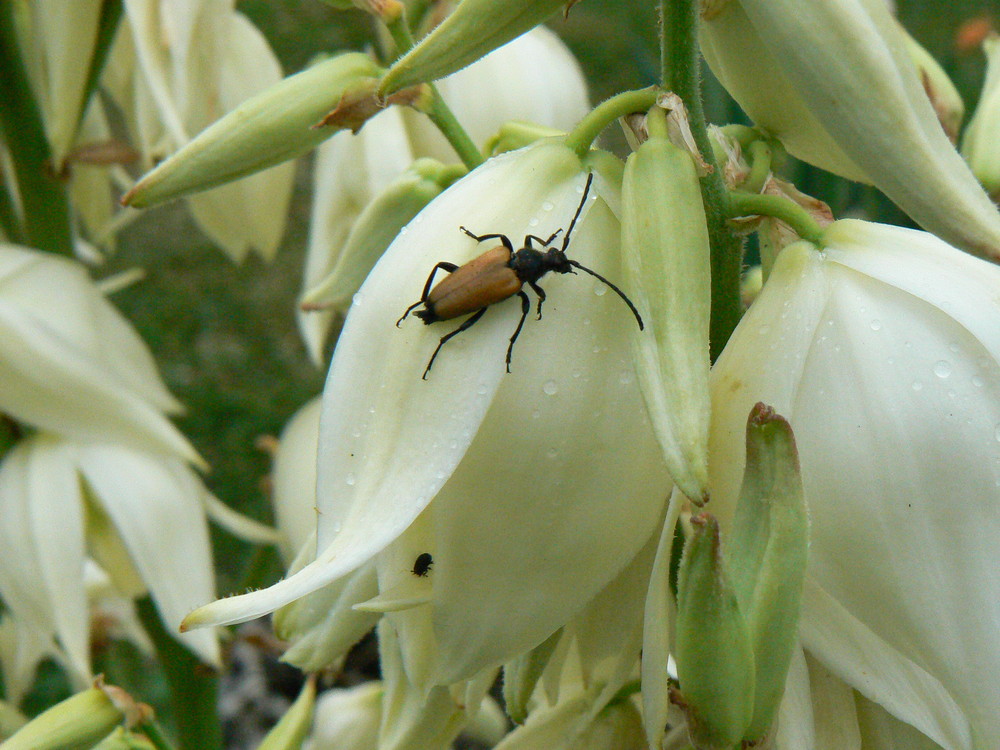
(541, 297)
(525, 308)
(444, 266)
(504, 240)
(545, 243)
(444, 339)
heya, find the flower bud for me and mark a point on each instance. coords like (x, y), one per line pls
(665, 264)
(374, 230)
(278, 124)
(516, 134)
(715, 660)
(981, 142)
(473, 30)
(347, 718)
(293, 727)
(79, 721)
(766, 555)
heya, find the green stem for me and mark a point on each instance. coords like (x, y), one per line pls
(155, 736)
(43, 199)
(619, 105)
(193, 686)
(791, 213)
(682, 75)
(760, 167)
(111, 14)
(439, 112)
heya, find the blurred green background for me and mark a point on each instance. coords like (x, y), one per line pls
(224, 335)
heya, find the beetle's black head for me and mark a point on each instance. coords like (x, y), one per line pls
(556, 260)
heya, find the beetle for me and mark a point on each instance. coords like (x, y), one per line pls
(422, 565)
(498, 274)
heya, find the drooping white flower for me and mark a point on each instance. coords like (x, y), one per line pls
(531, 490)
(188, 64)
(72, 365)
(882, 351)
(140, 515)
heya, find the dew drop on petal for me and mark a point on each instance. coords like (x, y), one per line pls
(550, 388)
(942, 368)
(548, 206)
(876, 325)
(350, 479)
(978, 381)
(917, 385)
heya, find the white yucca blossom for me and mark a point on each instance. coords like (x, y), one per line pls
(141, 515)
(883, 352)
(534, 77)
(175, 69)
(532, 490)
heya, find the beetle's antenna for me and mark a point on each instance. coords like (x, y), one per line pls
(618, 291)
(586, 190)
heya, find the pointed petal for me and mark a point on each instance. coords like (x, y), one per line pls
(155, 504)
(41, 530)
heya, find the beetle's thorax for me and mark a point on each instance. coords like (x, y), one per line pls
(530, 264)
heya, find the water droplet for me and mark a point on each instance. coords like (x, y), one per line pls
(586, 321)
(550, 388)
(350, 479)
(371, 409)
(625, 377)
(548, 206)
(482, 389)
(876, 325)
(356, 432)
(536, 414)
(917, 385)
(356, 299)
(942, 368)
(577, 373)
(552, 452)
(978, 380)
(953, 347)
(764, 330)
(403, 230)
(533, 222)
(600, 290)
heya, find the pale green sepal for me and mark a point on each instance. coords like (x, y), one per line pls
(981, 141)
(77, 723)
(659, 612)
(407, 594)
(522, 674)
(289, 733)
(944, 97)
(518, 134)
(122, 739)
(277, 124)
(476, 28)
(374, 230)
(766, 555)
(714, 654)
(665, 266)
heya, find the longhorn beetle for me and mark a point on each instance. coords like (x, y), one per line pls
(497, 274)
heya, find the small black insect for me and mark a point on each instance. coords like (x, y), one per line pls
(496, 275)
(422, 565)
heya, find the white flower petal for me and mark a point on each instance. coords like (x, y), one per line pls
(294, 478)
(155, 504)
(41, 533)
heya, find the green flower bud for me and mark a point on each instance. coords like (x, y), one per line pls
(476, 28)
(278, 124)
(387, 10)
(665, 264)
(289, 733)
(375, 229)
(522, 674)
(76, 723)
(715, 660)
(981, 143)
(766, 554)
